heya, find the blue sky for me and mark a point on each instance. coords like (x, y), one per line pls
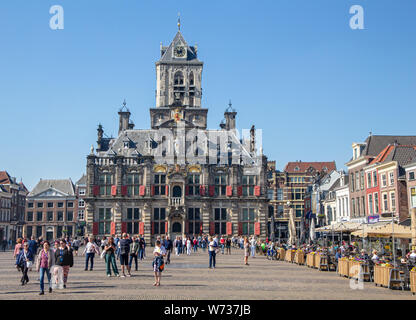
(294, 68)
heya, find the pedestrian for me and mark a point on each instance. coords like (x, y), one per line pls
(195, 245)
(212, 248)
(24, 262)
(17, 247)
(246, 250)
(75, 245)
(90, 250)
(169, 248)
(158, 263)
(64, 257)
(44, 263)
(141, 248)
(188, 247)
(4, 244)
(228, 245)
(134, 249)
(253, 243)
(124, 250)
(33, 245)
(222, 243)
(110, 258)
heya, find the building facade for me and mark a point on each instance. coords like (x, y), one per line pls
(18, 194)
(51, 210)
(80, 192)
(363, 154)
(178, 177)
(410, 172)
(342, 195)
(5, 213)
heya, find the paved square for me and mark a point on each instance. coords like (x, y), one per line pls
(188, 277)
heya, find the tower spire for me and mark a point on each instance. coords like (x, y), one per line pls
(179, 21)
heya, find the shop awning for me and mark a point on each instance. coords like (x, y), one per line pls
(340, 226)
(384, 231)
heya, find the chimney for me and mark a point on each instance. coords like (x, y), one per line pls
(124, 114)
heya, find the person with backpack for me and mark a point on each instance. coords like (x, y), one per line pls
(124, 249)
(134, 249)
(212, 252)
(158, 263)
(24, 262)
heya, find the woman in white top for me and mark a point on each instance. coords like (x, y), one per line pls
(188, 247)
(212, 247)
(253, 246)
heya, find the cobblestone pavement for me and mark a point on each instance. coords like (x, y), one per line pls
(188, 277)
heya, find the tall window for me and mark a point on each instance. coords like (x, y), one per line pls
(370, 204)
(81, 204)
(357, 181)
(220, 220)
(133, 183)
(132, 220)
(49, 215)
(194, 220)
(369, 180)
(362, 179)
(29, 216)
(393, 201)
(298, 210)
(358, 207)
(413, 196)
(391, 178)
(178, 86)
(374, 178)
(159, 219)
(104, 220)
(352, 182)
(105, 181)
(280, 210)
(248, 219)
(69, 216)
(160, 184)
(248, 185)
(60, 216)
(353, 207)
(297, 194)
(375, 202)
(193, 184)
(385, 202)
(39, 216)
(279, 194)
(39, 231)
(363, 202)
(220, 182)
(383, 180)
(80, 215)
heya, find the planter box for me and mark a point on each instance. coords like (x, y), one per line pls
(343, 268)
(282, 254)
(382, 276)
(413, 281)
(299, 258)
(290, 255)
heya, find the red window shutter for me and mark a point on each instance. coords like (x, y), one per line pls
(239, 191)
(229, 191)
(229, 228)
(95, 228)
(186, 190)
(153, 190)
(240, 228)
(96, 190)
(142, 190)
(167, 190)
(211, 190)
(201, 230)
(166, 227)
(141, 228)
(123, 227)
(153, 228)
(113, 190)
(186, 227)
(257, 228)
(113, 228)
(124, 190)
(257, 191)
(202, 190)
(211, 228)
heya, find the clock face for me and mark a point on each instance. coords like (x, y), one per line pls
(180, 51)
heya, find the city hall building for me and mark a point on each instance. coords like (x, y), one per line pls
(178, 177)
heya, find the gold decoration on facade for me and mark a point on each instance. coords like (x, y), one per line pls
(159, 168)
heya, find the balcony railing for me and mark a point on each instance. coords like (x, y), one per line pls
(176, 202)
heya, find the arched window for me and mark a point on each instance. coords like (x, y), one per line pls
(178, 79)
(191, 79)
(177, 192)
(176, 227)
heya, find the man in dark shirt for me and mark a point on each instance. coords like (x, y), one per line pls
(168, 246)
(124, 245)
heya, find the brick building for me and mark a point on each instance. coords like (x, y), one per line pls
(5, 213)
(291, 185)
(410, 172)
(363, 154)
(51, 210)
(18, 194)
(141, 183)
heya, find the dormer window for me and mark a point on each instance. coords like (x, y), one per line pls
(126, 144)
(297, 169)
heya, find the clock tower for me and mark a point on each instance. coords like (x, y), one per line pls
(178, 84)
